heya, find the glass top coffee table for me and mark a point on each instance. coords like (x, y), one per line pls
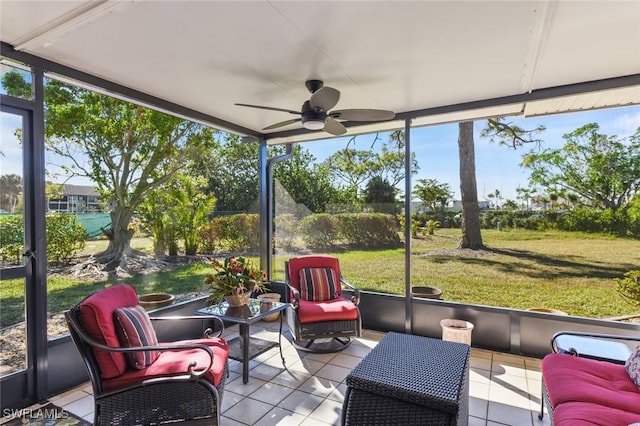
(244, 347)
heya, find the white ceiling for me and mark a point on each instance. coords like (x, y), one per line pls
(405, 56)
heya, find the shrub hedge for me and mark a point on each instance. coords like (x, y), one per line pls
(623, 222)
(238, 232)
(368, 229)
(319, 230)
(286, 229)
(65, 237)
(356, 229)
(11, 238)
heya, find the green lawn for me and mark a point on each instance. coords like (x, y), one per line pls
(567, 271)
(572, 272)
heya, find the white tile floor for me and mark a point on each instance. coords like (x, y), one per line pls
(504, 388)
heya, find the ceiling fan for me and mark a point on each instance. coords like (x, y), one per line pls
(315, 114)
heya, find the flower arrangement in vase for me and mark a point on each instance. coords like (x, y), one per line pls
(233, 280)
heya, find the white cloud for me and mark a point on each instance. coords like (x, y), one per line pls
(11, 149)
(628, 123)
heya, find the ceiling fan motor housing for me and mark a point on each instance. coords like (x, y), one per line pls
(312, 119)
(314, 85)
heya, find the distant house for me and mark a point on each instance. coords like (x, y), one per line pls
(76, 199)
(456, 205)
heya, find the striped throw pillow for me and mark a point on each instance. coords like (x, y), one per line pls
(134, 328)
(318, 284)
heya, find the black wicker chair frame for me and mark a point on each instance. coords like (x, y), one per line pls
(188, 397)
(335, 335)
(545, 400)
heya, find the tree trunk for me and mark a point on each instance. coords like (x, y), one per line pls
(471, 237)
(119, 236)
(159, 246)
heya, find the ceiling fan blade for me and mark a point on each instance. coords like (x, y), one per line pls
(282, 124)
(362, 114)
(334, 127)
(271, 108)
(324, 98)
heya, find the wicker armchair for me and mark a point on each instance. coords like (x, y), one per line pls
(184, 380)
(320, 319)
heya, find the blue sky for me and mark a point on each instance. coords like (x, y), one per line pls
(497, 167)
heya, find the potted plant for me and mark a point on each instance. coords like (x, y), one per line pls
(233, 280)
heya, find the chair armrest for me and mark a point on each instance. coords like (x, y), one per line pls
(604, 347)
(296, 296)
(356, 292)
(208, 333)
(588, 334)
(73, 322)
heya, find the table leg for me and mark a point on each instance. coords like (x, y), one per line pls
(244, 334)
(280, 340)
(541, 414)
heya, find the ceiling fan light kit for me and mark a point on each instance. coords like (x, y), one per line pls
(315, 114)
(313, 124)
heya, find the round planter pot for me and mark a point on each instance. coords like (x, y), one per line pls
(153, 301)
(454, 330)
(548, 311)
(236, 300)
(426, 292)
(270, 297)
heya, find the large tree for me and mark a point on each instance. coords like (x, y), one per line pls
(191, 209)
(380, 195)
(126, 149)
(433, 194)
(390, 161)
(351, 168)
(471, 236)
(604, 171)
(306, 182)
(234, 178)
(497, 130)
(11, 194)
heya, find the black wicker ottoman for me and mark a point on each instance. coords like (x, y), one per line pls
(409, 380)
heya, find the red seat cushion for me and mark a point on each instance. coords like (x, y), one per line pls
(587, 414)
(98, 321)
(573, 379)
(175, 363)
(338, 309)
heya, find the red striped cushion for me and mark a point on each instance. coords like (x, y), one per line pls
(318, 284)
(134, 329)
